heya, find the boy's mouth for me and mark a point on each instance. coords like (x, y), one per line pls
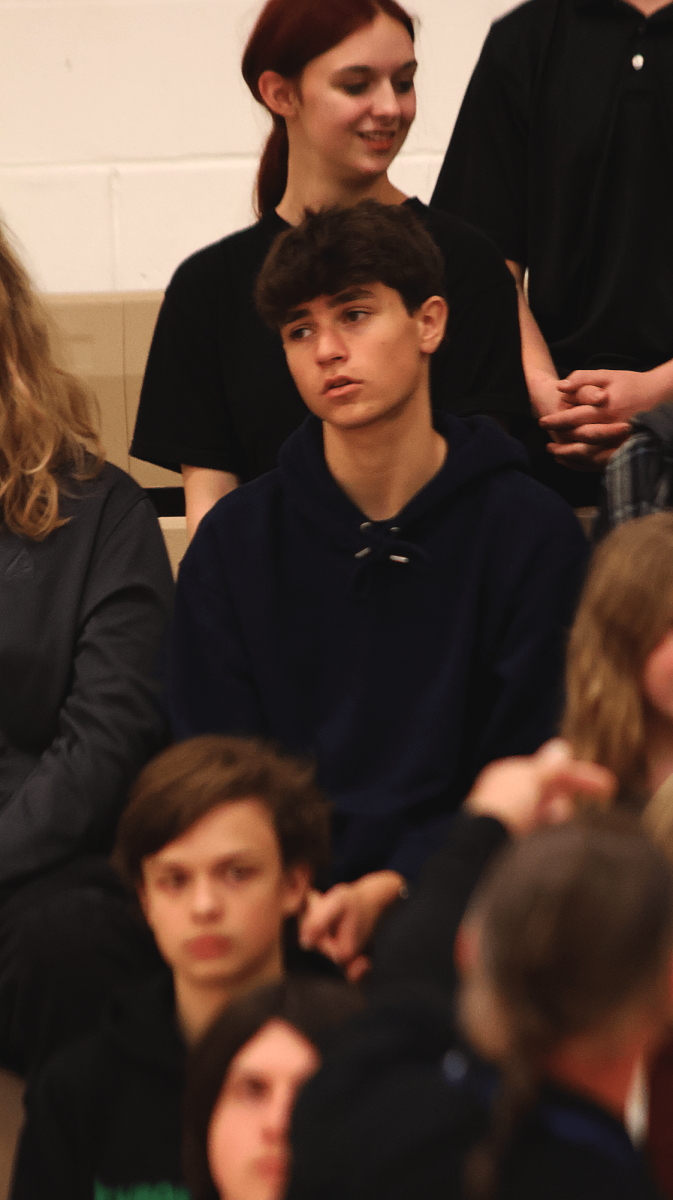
(208, 945)
(339, 385)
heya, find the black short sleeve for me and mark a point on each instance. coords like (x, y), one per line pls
(478, 369)
(217, 391)
(183, 415)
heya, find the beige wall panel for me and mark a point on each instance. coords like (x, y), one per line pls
(140, 311)
(91, 337)
(174, 530)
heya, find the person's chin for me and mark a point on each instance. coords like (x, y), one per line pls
(270, 1172)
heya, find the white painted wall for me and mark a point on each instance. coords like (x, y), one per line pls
(128, 138)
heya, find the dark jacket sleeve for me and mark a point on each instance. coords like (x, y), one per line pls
(113, 717)
(416, 942)
(54, 1155)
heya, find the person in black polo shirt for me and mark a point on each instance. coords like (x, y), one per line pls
(563, 154)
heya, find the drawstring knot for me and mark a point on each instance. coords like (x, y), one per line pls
(383, 546)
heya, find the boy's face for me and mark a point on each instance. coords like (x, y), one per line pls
(216, 897)
(359, 357)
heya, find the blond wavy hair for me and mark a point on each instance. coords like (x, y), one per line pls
(47, 432)
(625, 610)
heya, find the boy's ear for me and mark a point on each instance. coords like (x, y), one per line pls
(432, 317)
(279, 94)
(297, 885)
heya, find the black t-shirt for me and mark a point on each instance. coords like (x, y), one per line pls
(217, 390)
(563, 154)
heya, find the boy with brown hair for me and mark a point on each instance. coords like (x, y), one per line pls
(393, 600)
(220, 841)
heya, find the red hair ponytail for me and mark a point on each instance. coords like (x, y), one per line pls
(288, 35)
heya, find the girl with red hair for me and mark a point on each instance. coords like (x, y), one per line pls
(218, 400)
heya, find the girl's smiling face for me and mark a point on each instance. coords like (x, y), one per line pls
(354, 105)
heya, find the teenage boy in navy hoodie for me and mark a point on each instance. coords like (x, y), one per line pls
(220, 841)
(393, 599)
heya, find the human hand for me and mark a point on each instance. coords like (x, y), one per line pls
(541, 789)
(599, 404)
(340, 922)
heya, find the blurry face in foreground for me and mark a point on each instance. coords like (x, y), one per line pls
(216, 898)
(248, 1148)
(658, 677)
(481, 1013)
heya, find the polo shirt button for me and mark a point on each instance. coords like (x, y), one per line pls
(365, 525)
(637, 62)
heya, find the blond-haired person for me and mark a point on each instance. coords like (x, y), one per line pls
(619, 713)
(85, 597)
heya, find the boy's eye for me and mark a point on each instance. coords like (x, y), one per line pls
(237, 872)
(298, 334)
(172, 881)
(353, 315)
(404, 85)
(355, 89)
(252, 1087)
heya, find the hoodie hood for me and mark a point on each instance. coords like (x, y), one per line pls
(478, 448)
(140, 1021)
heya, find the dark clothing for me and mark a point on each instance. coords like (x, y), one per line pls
(103, 1119)
(399, 1100)
(403, 655)
(217, 390)
(83, 617)
(67, 939)
(563, 154)
(416, 942)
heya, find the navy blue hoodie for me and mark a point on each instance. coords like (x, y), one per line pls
(404, 654)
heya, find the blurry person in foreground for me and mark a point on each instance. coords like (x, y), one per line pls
(242, 1081)
(565, 960)
(220, 840)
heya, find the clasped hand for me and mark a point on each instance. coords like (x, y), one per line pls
(592, 418)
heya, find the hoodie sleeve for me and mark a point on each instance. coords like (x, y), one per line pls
(536, 574)
(211, 682)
